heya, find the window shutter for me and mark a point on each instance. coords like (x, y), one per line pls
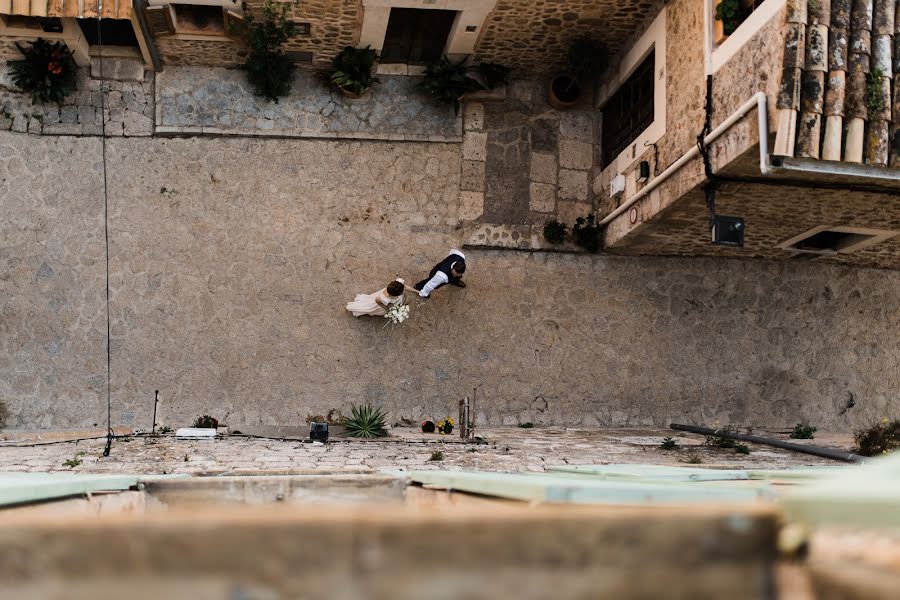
(159, 20)
(234, 24)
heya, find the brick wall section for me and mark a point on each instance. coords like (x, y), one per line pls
(532, 36)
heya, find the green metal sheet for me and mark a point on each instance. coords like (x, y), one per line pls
(570, 488)
(652, 473)
(866, 495)
(19, 488)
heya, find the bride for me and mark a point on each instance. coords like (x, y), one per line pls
(377, 303)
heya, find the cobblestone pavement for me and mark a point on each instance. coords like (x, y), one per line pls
(506, 449)
(129, 108)
(220, 101)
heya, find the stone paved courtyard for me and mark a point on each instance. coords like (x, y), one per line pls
(220, 101)
(505, 449)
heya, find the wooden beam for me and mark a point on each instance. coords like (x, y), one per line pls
(109, 9)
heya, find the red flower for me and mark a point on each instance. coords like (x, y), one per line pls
(55, 68)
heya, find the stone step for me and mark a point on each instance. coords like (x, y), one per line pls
(118, 69)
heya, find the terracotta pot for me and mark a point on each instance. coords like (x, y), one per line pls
(564, 92)
(353, 96)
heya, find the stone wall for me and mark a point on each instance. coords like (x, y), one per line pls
(533, 36)
(206, 53)
(530, 36)
(231, 261)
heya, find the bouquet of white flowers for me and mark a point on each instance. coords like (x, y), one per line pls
(396, 314)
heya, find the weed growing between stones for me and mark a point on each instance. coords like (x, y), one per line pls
(4, 414)
(555, 232)
(74, 461)
(669, 443)
(527, 425)
(803, 432)
(742, 448)
(587, 233)
(436, 456)
(693, 459)
(881, 438)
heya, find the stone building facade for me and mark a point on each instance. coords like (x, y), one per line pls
(794, 204)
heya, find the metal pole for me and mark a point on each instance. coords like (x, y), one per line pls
(756, 439)
(155, 404)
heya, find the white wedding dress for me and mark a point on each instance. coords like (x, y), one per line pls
(364, 304)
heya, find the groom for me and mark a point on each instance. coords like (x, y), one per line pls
(449, 270)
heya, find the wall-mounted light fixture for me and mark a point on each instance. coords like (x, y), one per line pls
(643, 171)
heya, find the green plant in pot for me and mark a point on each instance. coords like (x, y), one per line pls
(447, 81)
(351, 71)
(587, 233)
(555, 232)
(269, 70)
(47, 71)
(586, 59)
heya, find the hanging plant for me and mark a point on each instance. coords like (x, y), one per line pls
(47, 71)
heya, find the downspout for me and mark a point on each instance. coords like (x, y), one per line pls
(137, 9)
(758, 101)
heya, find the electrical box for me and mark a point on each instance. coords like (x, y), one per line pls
(318, 432)
(728, 231)
(617, 186)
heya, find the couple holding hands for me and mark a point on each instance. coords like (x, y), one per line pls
(450, 270)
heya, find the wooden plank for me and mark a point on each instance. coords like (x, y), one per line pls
(5, 7)
(72, 7)
(474, 552)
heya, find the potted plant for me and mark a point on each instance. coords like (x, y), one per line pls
(351, 71)
(555, 232)
(587, 233)
(445, 426)
(586, 59)
(269, 69)
(447, 81)
(47, 71)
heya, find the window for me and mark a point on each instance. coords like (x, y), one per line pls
(629, 111)
(112, 32)
(834, 240)
(729, 15)
(199, 20)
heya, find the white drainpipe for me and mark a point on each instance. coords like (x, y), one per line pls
(759, 101)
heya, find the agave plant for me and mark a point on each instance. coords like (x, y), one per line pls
(365, 421)
(47, 71)
(351, 70)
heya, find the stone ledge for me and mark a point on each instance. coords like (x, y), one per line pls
(164, 130)
(514, 237)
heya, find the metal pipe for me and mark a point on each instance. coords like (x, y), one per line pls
(814, 450)
(759, 101)
(155, 404)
